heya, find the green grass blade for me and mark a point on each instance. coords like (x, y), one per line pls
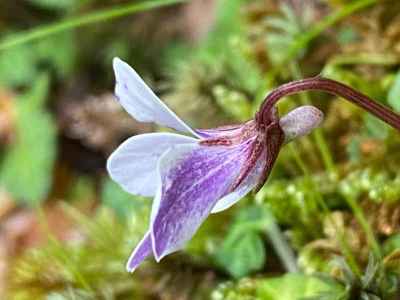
(76, 22)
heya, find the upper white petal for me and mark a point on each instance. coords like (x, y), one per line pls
(140, 101)
(134, 164)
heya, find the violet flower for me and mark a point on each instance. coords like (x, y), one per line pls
(210, 170)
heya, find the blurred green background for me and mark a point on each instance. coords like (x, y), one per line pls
(327, 224)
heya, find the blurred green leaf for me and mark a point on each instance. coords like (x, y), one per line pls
(55, 4)
(347, 35)
(82, 189)
(17, 67)
(392, 244)
(394, 93)
(295, 286)
(375, 128)
(26, 170)
(287, 287)
(59, 51)
(121, 202)
(353, 149)
(22, 65)
(242, 251)
(228, 23)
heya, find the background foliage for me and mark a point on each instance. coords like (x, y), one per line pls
(327, 224)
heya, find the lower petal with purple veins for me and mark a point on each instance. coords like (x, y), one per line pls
(141, 252)
(194, 178)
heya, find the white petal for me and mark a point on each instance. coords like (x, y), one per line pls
(134, 164)
(140, 101)
(242, 190)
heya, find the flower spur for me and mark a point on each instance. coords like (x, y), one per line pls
(209, 171)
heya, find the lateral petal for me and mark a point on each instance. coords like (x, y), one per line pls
(134, 164)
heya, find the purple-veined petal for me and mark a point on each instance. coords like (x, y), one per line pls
(193, 178)
(134, 164)
(243, 189)
(219, 131)
(141, 252)
(140, 101)
(227, 131)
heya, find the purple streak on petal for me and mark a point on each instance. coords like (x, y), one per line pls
(249, 183)
(219, 131)
(141, 252)
(193, 179)
(228, 131)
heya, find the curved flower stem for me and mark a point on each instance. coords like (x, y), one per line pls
(318, 133)
(332, 87)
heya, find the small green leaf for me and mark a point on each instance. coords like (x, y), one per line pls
(394, 93)
(242, 251)
(26, 170)
(295, 286)
(243, 254)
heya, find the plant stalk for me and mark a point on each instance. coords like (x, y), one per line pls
(318, 133)
(280, 243)
(330, 86)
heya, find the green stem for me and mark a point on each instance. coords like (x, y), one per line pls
(280, 243)
(317, 134)
(359, 214)
(76, 22)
